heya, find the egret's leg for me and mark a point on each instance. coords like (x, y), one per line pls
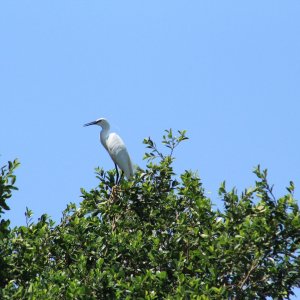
(122, 174)
(117, 179)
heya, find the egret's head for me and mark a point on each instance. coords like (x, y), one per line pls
(101, 122)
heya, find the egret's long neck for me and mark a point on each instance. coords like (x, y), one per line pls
(103, 136)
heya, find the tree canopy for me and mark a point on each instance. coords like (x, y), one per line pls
(156, 236)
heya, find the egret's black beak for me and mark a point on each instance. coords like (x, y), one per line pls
(91, 123)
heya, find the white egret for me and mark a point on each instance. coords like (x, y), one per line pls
(115, 147)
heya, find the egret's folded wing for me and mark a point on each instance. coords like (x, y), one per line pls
(119, 154)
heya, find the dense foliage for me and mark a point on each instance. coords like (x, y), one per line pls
(155, 237)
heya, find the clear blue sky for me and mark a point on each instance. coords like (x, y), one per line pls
(226, 71)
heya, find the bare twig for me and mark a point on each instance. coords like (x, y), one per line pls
(252, 268)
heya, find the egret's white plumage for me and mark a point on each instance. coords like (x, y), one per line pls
(115, 147)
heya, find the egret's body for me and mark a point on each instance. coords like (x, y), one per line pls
(115, 147)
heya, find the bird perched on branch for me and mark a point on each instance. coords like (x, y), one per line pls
(115, 147)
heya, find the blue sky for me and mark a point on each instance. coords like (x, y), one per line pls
(226, 71)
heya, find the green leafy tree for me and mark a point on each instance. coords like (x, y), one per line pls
(7, 181)
(158, 237)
